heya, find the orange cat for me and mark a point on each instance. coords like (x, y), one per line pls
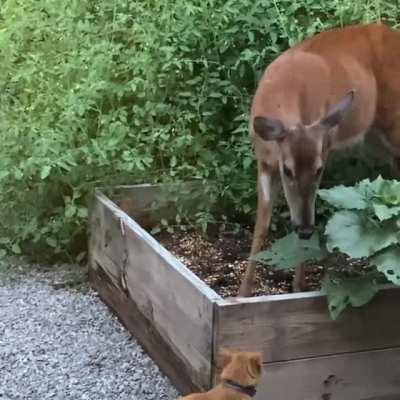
(240, 376)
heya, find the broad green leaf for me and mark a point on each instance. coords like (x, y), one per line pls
(290, 251)
(388, 262)
(368, 188)
(344, 197)
(343, 291)
(360, 196)
(357, 236)
(3, 253)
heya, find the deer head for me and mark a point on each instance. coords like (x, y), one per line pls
(303, 154)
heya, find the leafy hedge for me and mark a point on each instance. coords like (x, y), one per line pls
(126, 91)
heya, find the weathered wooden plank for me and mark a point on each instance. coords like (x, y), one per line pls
(142, 203)
(106, 243)
(177, 304)
(170, 312)
(147, 204)
(287, 327)
(372, 375)
(142, 329)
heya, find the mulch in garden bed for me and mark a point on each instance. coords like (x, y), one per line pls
(220, 261)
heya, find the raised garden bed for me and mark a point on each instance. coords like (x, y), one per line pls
(182, 323)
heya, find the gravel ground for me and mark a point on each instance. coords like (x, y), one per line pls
(58, 342)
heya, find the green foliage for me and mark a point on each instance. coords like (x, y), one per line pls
(388, 262)
(279, 255)
(366, 223)
(358, 235)
(364, 227)
(122, 92)
(354, 291)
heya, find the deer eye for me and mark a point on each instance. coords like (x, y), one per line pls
(288, 172)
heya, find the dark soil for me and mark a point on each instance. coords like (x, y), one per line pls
(221, 261)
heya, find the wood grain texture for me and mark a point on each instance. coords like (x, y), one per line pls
(147, 204)
(177, 304)
(142, 329)
(294, 326)
(373, 375)
(183, 324)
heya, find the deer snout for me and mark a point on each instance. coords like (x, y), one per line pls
(304, 232)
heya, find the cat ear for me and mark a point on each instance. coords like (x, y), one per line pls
(225, 357)
(255, 364)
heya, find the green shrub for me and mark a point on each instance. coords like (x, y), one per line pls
(108, 92)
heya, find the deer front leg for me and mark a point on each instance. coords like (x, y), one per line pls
(263, 219)
(299, 280)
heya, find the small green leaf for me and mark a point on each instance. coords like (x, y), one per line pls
(16, 249)
(45, 172)
(82, 212)
(290, 251)
(164, 222)
(70, 210)
(51, 242)
(247, 208)
(4, 174)
(155, 230)
(388, 262)
(247, 162)
(18, 174)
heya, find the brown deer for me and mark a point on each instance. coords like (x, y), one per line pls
(325, 93)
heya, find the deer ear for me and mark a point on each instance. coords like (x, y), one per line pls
(337, 112)
(269, 128)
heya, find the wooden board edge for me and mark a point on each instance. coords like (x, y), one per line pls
(335, 377)
(226, 302)
(267, 363)
(214, 343)
(129, 188)
(169, 258)
(344, 333)
(229, 301)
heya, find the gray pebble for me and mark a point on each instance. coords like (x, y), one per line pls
(58, 343)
